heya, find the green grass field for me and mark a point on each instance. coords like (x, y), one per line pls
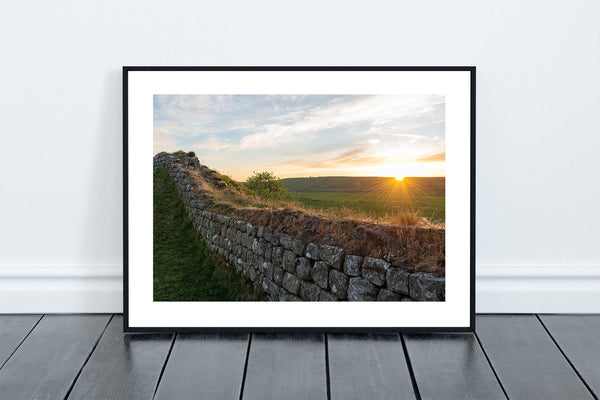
(374, 195)
(184, 269)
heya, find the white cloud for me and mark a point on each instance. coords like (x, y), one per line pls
(264, 129)
(212, 144)
(378, 110)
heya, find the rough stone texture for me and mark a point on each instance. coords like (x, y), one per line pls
(338, 282)
(398, 280)
(291, 283)
(352, 265)
(291, 243)
(259, 246)
(246, 240)
(298, 246)
(312, 251)
(191, 160)
(284, 295)
(267, 256)
(289, 261)
(388, 295)
(278, 275)
(360, 289)
(271, 236)
(277, 256)
(375, 270)
(303, 268)
(266, 268)
(332, 255)
(286, 241)
(251, 272)
(326, 296)
(269, 252)
(309, 291)
(426, 287)
(320, 274)
(270, 288)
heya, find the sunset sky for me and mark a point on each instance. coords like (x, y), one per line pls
(314, 135)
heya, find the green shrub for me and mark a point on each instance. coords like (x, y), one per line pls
(267, 185)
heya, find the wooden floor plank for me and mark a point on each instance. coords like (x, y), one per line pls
(368, 366)
(13, 329)
(46, 364)
(451, 366)
(205, 367)
(286, 366)
(526, 360)
(579, 338)
(123, 366)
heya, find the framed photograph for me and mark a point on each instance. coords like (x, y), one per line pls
(299, 198)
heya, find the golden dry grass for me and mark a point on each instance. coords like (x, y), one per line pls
(404, 238)
(236, 197)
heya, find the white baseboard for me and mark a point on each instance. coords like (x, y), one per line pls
(538, 289)
(500, 289)
(50, 289)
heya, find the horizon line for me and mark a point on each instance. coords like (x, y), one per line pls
(359, 176)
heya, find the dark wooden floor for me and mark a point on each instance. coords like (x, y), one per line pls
(510, 356)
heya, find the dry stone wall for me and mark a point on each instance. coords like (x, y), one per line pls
(287, 268)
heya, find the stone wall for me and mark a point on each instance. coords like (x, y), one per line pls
(287, 268)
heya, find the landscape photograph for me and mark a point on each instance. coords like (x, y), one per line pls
(299, 198)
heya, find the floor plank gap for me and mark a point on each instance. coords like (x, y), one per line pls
(47, 363)
(75, 357)
(21, 342)
(286, 366)
(368, 366)
(246, 366)
(526, 360)
(410, 368)
(566, 358)
(327, 375)
(451, 366)
(162, 371)
(491, 365)
(87, 359)
(205, 367)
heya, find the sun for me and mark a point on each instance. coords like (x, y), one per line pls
(399, 178)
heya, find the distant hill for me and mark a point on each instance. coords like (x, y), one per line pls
(430, 186)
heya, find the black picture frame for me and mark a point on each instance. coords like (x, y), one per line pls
(324, 329)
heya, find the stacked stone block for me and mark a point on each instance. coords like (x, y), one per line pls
(287, 268)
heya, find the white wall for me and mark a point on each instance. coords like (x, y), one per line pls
(537, 125)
